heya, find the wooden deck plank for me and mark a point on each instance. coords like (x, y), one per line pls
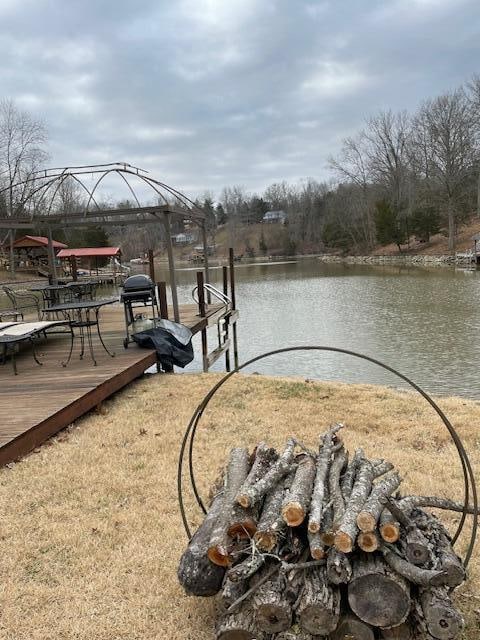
(42, 400)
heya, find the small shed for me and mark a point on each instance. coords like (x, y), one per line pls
(32, 251)
(275, 217)
(90, 257)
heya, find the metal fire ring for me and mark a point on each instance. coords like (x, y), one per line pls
(189, 438)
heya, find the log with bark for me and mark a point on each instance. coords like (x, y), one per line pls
(318, 499)
(348, 529)
(297, 500)
(236, 473)
(196, 573)
(377, 594)
(318, 610)
(442, 619)
(249, 494)
(273, 611)
(239, 625)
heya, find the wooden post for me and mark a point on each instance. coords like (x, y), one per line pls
(11, 238)
(162, 299)
(225, 291)
(205, 257)
(51, 258)
(151, 265)
(232, 296)
(73, 268)
(201, 309)
(171, 267)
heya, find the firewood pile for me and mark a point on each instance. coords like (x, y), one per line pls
(304, 544)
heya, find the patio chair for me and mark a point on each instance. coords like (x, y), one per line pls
(13, 333)
(23, 301)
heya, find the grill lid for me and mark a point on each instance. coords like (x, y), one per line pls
(138, 282)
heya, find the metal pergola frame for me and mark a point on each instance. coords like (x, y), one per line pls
(38, 197)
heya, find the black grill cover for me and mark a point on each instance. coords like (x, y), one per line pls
(170, 351)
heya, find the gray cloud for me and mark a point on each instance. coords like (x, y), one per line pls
(206, 93)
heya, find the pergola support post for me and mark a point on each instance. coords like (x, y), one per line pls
(202, 313)
(232, 297)
(205, 257)
(11, 237)
(171, 267)
(51, 258)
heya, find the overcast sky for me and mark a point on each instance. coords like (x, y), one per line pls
(208, 93)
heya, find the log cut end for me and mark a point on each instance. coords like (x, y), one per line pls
(293, 513)
(379, 600)
(219, 556)
(243, 500)
(273, 618)
(390, 531)
(243, 530)
(265, 540)
(313, 527)
(368, 541)
(351, 627)
(343, 542)
(365, 521)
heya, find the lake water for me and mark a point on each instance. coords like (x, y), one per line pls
(423, 322)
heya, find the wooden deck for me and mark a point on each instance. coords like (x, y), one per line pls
(42, 400)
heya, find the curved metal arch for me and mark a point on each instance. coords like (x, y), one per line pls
(45, 179)
(469, 478)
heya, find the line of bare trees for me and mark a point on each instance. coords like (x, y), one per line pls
(402, 175)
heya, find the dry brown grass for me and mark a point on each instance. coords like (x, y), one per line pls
(91, 533)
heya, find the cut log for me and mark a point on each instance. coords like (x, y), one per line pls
(273, 612)
(369, 515)
(239, 625)
(368, 541)
(230, 592)
(417, 575)
(245, 569)
(377, 594)
(389, 527)
(382, 468)
(401, 632)
(347, 531)
(296, 502)
(348, 478)
(445, 558)
(197, 575)
(351, 628)
(318, 610)
(327, 533)
(249, 494)
(334, 490)
(410, 502)
(417, 548)
(236, 473)
(339, 568)
(317, 547)
(271, 526)
(320, 486)
(443, 620)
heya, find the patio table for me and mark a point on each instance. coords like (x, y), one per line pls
(83, 315)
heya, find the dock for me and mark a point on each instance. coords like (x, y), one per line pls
(42, 400)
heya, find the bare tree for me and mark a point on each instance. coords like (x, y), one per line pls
(446, 143)
(22, 139)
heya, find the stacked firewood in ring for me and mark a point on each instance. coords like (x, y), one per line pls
(309, 544)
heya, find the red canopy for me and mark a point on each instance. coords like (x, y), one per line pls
(37, 241)
(89, 252)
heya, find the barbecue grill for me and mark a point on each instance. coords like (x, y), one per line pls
(138, 292)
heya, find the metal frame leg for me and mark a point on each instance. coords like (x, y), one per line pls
(72, 336)
(34, 352)
(90, 343)
(110, 353)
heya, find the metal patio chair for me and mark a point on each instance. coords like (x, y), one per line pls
(23, 301)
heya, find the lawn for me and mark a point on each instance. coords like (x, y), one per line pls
(91, 532)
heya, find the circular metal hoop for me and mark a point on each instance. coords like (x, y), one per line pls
(189, 439)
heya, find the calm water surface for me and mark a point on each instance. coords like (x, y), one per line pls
(423, 322)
